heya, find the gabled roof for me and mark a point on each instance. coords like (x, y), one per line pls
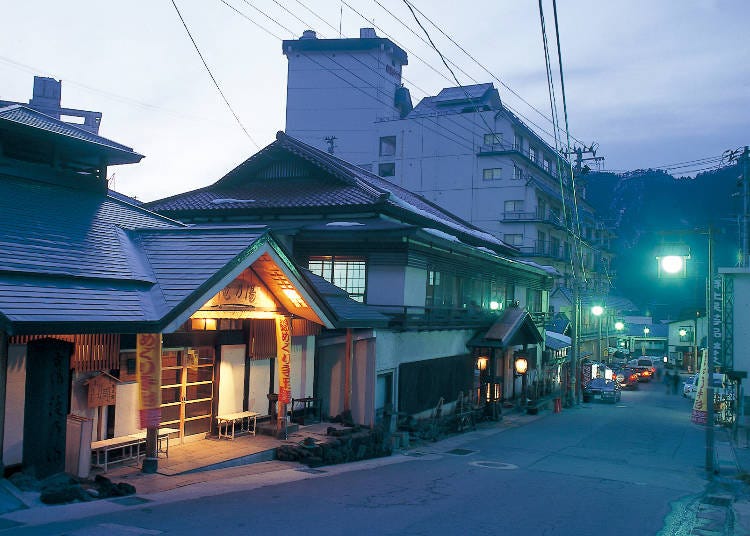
(29, 120)
(75, 261)
(514, 328)
(307, 181)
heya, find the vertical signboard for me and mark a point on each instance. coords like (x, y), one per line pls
(148, 370)
(716, 322)
(284, 359)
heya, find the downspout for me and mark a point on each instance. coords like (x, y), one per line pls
(348, 356)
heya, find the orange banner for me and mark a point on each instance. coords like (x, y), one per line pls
(148, 371)
(284, 359)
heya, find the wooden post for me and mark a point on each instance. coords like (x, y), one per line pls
(3, 382)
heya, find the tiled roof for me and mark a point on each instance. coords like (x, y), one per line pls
(70, 257)
(317, 180)
(349, 313)
(22, 115)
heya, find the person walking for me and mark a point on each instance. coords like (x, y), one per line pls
(668, 381)
(675, 382)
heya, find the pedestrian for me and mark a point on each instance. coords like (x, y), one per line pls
(675, 382)
(668, 380)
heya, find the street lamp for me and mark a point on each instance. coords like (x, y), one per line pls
(646, 331)
(597, 311)
(713, 345)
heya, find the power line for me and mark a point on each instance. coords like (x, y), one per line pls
(226, 101)
(442, 58)
(508, 107)
(440, 131)
(467, 53)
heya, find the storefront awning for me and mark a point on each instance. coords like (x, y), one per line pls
(514, 328)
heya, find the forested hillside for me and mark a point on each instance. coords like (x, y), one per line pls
(649, 210)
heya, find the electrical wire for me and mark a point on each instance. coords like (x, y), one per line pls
(216, 83)
(440, 131)
(484, 68)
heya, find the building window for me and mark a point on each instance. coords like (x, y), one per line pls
(494, 138)
(388, 146)
(532, 154)
(514, 205)
(387, 170)
(554, 247)
(513, 239)
(490, 174)
(547, 166)
(518, 143)
(517, 173)
(347, 273)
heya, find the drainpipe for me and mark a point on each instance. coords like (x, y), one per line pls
(348, 355)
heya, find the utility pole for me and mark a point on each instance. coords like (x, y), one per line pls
(579, 168)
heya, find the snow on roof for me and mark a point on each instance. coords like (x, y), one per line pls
(343, 224)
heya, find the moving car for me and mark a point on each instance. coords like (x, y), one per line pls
(601, 389)
(627, 378)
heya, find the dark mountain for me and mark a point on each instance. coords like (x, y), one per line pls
(651, 211)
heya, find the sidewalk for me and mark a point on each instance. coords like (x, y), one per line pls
(733, 459)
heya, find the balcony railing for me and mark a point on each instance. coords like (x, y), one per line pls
(546, 248)
(444, 317)
(535, 216)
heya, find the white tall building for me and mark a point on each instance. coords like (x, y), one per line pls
(462, 149)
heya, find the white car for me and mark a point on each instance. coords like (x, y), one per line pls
(689, 386)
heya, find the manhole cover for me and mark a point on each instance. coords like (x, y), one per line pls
(714, 500)
(495, 465)
(461, 452)
(311, 470)
(130, 501)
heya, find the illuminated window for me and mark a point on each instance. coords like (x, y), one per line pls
(491, 173)
(347, 273)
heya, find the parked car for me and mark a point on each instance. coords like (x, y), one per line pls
(689, 386)
(604, 390)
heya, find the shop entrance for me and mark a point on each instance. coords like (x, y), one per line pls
(187, 388)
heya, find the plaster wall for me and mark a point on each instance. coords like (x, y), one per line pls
(231, 378)
(126, 416)
(394, 348)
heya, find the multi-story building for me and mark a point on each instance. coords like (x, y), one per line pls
(462, 149)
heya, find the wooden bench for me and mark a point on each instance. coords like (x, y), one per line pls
(130, 445)
(248, 422)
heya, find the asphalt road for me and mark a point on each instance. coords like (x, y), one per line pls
(630, 468)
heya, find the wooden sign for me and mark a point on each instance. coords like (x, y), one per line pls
(102, 391)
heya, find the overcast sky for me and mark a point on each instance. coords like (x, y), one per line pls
(652, 82)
